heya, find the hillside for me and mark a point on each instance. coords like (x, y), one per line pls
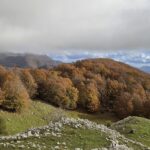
(118, 87)
(93, 85)
(67, 131)
(40, 114)
(136, 128)
(26, 60)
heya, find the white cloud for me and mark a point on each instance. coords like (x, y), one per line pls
(137, 59)
(54, 25)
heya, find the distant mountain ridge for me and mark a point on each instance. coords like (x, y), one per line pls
(145, 69)
(27, 60)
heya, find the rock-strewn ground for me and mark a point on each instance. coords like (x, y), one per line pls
(35, 138)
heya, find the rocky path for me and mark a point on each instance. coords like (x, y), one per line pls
(55, 128)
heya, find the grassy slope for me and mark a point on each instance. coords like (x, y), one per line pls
(73, 138)
(34, 117)
(139, 126)
(29, 118)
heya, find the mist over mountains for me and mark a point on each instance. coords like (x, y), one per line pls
(139, 59)
(23, 60)
(145, 69)
(27, 60)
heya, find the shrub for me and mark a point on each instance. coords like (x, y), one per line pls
(108, 123)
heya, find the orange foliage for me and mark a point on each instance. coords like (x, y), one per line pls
(92, 84)
(123, 106)
(89, 96)
(29, 82)
(15, 94)
(59, 91)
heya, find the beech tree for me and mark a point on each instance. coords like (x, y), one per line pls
(29, 82)
(39, 75)
(137, 104)
(59, 91)
(89, 96)
(3, 71)
(113, 90)
(15, 94)
(123, 106)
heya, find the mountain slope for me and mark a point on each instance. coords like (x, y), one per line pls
(118, 87)
(94, 85)
(26, 60)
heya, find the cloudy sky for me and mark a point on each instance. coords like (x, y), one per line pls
(75, 27)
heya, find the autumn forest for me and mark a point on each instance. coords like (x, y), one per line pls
(92, 85)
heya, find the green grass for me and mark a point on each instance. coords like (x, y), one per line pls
(139, 126)
(35, 115)
(131, 145)
(86, 139)
(101, 118)
(29, 118)
(73, 138)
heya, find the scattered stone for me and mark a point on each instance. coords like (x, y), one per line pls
(29, 133)
(21, 146)
(54, 128)
(63, 143)
(33, 145)
(56, 147)
(78, 149)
